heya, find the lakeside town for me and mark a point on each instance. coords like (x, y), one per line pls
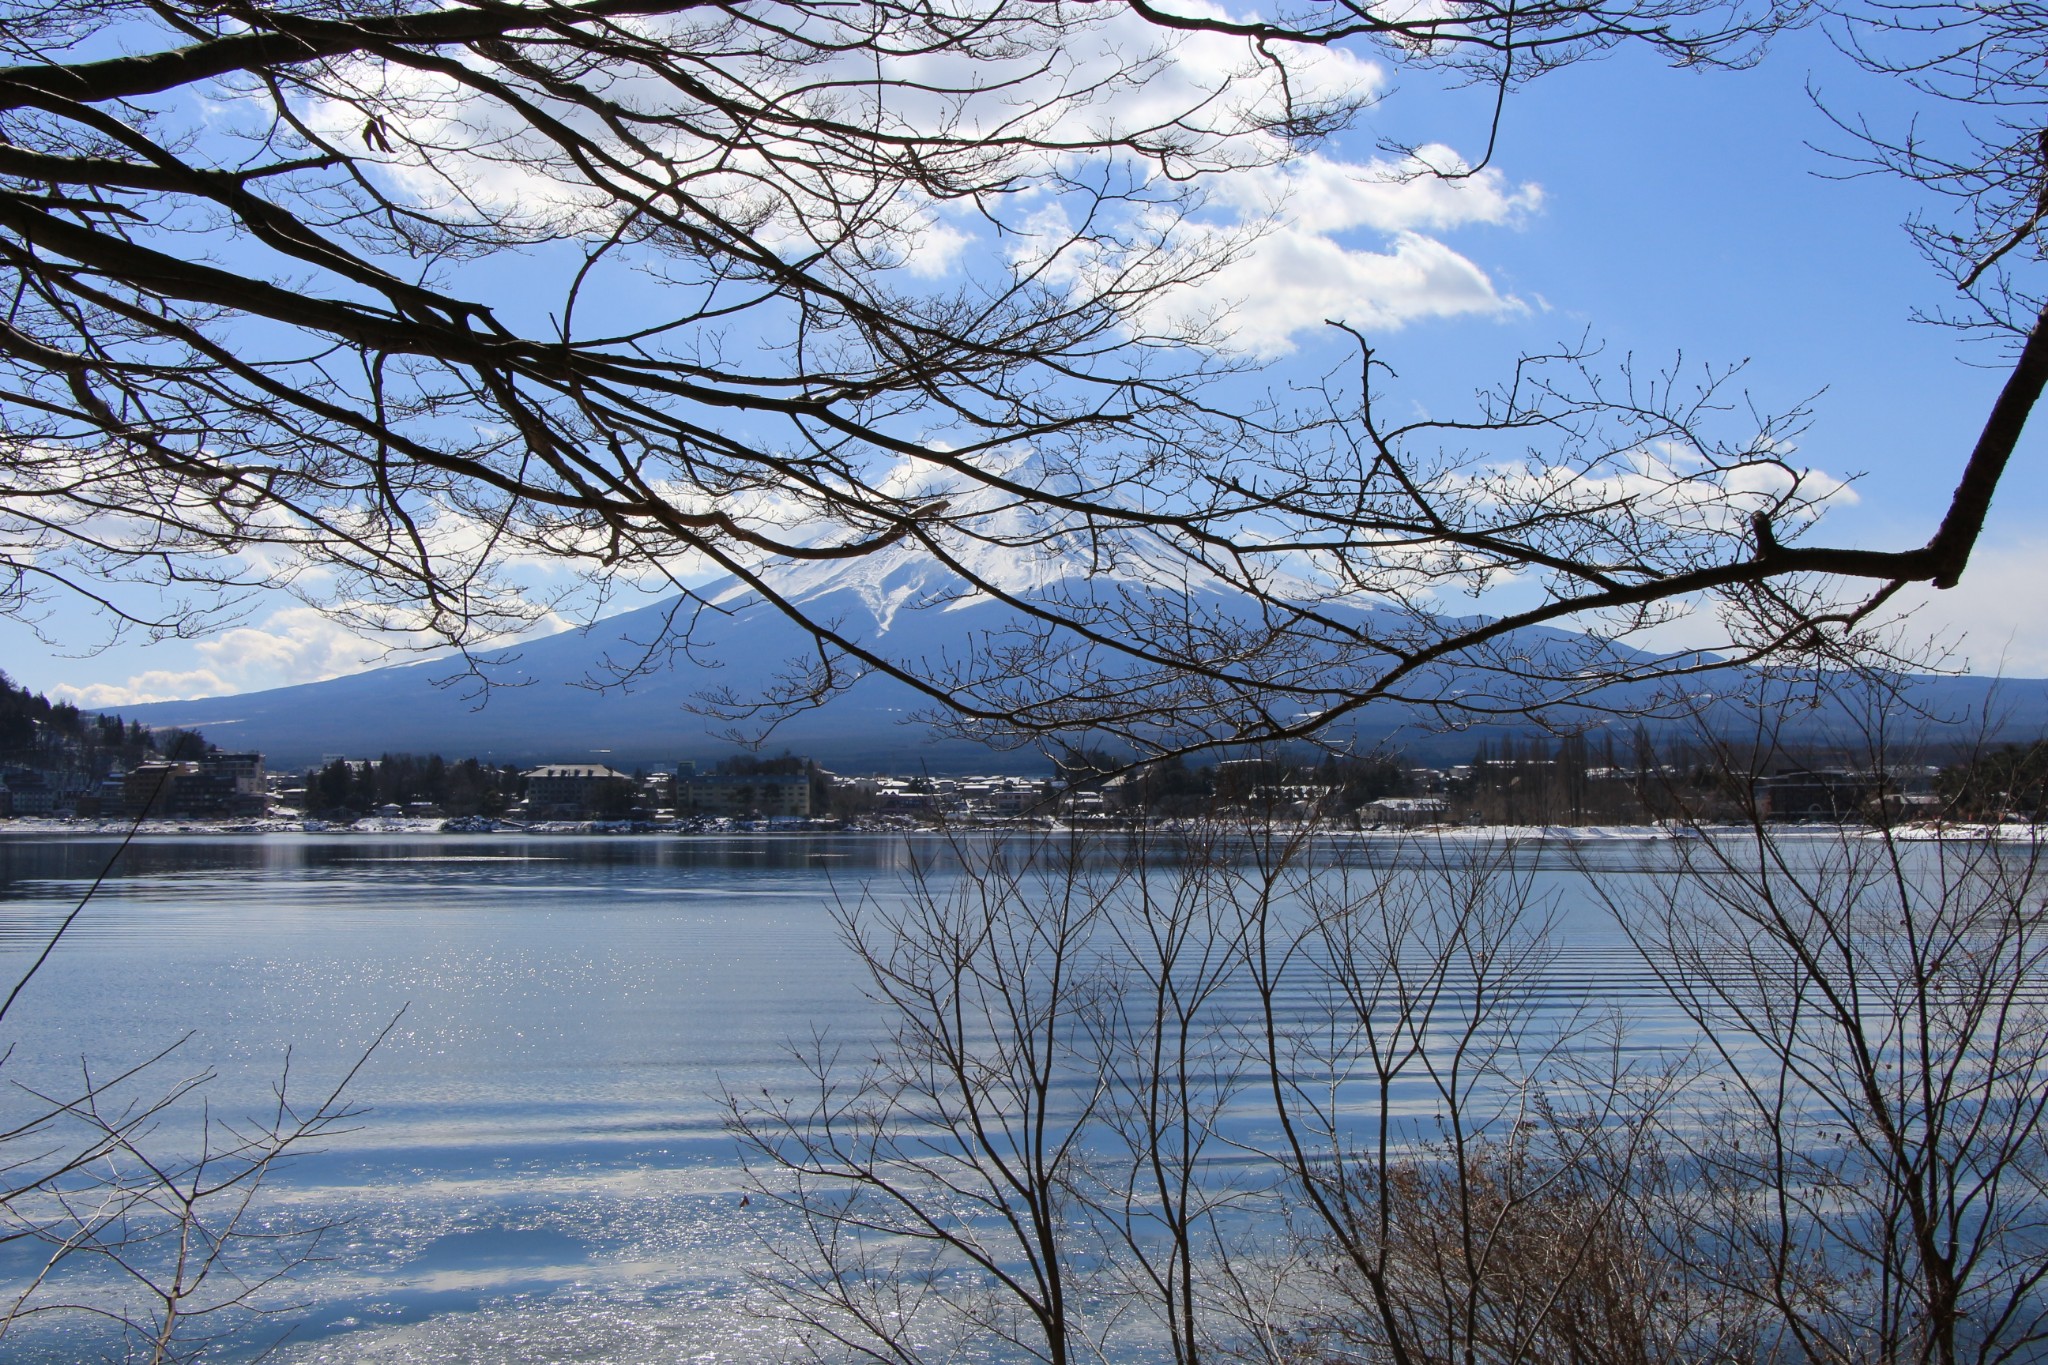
(62, 768)
(1536, 785)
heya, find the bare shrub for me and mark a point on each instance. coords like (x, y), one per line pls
(1876, 1002)
(134, 1210)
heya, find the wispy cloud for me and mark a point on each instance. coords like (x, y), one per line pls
(1991, 621)
(291, 646)
(1319, 239)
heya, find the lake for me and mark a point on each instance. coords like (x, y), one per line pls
(540, 1172)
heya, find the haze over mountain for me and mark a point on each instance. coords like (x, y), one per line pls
(546, 703)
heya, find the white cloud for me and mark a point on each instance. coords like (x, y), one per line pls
(291, 646)
(295, 645)
(1049, 88)
(1992, 620)
(1206, 104)
(154, 685)
(1295, 280)
(1321, 195)
(298, 644)
(1990, 624)
(1306, 266)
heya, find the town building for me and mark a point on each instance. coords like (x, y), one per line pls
(191, 790)
(1407, 811)
(1824, 794)
(152, 788)
(573, 791)
(23, 791)
(1009, 797)
(742, 796)
(245, 770)
(212, 786)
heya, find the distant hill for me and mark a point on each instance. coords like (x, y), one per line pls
(545, 707)
(544, 704)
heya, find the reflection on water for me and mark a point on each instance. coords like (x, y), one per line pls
(542, 1174)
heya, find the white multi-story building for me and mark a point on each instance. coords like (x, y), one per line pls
(570, 791)
(743, 796)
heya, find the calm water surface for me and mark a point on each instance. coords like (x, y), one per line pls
(540, 1174)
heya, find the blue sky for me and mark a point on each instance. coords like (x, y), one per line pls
(1658, 212)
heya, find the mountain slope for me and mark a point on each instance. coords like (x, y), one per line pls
(544, 704)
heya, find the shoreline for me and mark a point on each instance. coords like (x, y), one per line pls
(424, 828)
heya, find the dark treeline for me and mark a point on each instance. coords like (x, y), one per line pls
(350, 788)
(38, 733)
(1515, 780)
(1608, 777)
(2008, 779)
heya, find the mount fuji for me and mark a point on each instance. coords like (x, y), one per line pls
(549, 698)
(543, 704)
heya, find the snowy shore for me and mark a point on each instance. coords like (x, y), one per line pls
(44, 827)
